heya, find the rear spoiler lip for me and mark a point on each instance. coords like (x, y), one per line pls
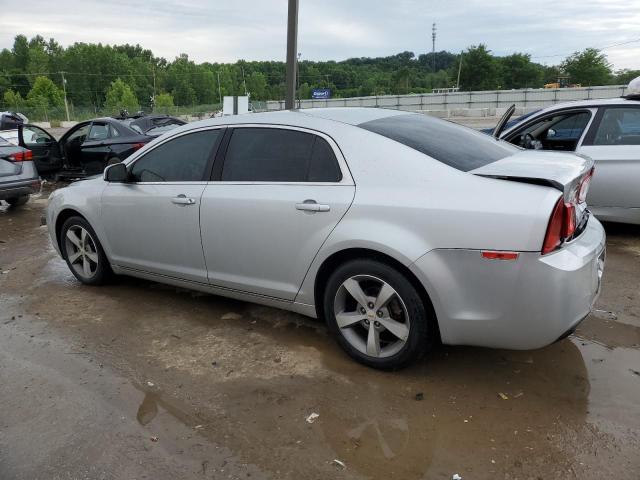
(562, 171)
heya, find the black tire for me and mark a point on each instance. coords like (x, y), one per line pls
(422, 331)
(18, 201)
(103, 273)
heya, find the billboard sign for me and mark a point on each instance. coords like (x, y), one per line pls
(321, 93)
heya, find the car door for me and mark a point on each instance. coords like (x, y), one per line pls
(614, 144)
(95, 150)
(272, 203)
(71, 143)
(45, 148)
(560, 130)
(152, 221)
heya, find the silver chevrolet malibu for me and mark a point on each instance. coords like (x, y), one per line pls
(398, 229)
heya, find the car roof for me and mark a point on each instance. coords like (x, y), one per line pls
(598, 102)
(310, 118)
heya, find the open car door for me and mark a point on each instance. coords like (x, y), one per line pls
(503, 121)
(46, 150)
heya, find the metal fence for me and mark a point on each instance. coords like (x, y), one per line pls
(482, 103)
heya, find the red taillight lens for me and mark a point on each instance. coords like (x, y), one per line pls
(22, 156)
(553, 237)
(562, 225)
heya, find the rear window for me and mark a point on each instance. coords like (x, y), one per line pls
(459, 147)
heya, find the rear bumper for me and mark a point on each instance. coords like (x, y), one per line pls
(18, 189)
(522, 304)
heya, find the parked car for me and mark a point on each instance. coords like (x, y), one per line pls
(85, 149)
(18, 175)
(90, 146)
(153, 125)
(398, 229)
(608, 131)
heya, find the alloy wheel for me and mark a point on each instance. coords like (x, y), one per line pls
(81, 251)
(372, 316)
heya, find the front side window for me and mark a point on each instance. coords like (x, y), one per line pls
(279, 155)
(561, 131)
(182, 159)
(619, 126)
(79, 135)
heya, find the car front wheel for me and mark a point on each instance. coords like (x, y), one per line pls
(83, 252)
(377, 315)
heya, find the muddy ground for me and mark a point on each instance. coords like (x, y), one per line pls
(137, 380)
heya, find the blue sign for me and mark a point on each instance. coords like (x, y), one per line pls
(321, 93)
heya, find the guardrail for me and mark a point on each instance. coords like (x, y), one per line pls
(480, 103)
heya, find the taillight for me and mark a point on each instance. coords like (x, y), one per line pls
(583, 189)
(562, 225)
(22, 156)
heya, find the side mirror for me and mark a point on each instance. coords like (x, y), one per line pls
(116, 173)
(551, 133)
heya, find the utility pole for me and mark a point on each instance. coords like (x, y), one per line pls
(219, 88)
(64, 90)
(459, 70)
(298, 77)
(433, 45)
(244, 81)
(292, 51)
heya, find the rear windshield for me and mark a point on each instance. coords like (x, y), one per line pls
(459, 147)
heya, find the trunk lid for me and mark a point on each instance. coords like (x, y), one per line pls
(563, 171)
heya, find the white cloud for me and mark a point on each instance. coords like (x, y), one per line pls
(220, 31)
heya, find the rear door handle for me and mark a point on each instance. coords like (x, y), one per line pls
(182, 199)
(312, 206)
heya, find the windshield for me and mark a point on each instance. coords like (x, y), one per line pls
(459, 147)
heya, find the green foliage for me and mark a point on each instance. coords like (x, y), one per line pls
(13, 99)
(164, 100)
(589, 67)
(120, 97)
(623, 77)
(480, 70)
(44, 94)
(92, 69)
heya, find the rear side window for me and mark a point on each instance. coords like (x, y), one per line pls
(279, 155)
(182, 159)
(619, 126)
(459, 147)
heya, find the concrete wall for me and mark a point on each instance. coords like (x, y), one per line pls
(474, 104)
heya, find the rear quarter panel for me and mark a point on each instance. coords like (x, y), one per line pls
(407, 204)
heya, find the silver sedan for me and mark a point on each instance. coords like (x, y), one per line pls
(398, 229)
(608, 131)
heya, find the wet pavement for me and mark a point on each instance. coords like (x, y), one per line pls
(138, 380)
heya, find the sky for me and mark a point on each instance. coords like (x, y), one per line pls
(225, 31)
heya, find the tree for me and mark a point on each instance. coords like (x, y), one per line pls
(518, 71)
(120, 97)
(163, 102)
(480, 70)
(13, 99)
(45, 94)
(623, 77)
(589, 67)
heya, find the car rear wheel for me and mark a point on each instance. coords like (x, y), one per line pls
(83, 252)
(17, 201)
(377, 315)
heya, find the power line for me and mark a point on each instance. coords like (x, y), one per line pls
(600, 48)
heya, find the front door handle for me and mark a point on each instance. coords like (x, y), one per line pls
(312, 206)
(182, 199)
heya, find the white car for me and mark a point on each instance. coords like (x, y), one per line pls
(397, 229)
(608, 131)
